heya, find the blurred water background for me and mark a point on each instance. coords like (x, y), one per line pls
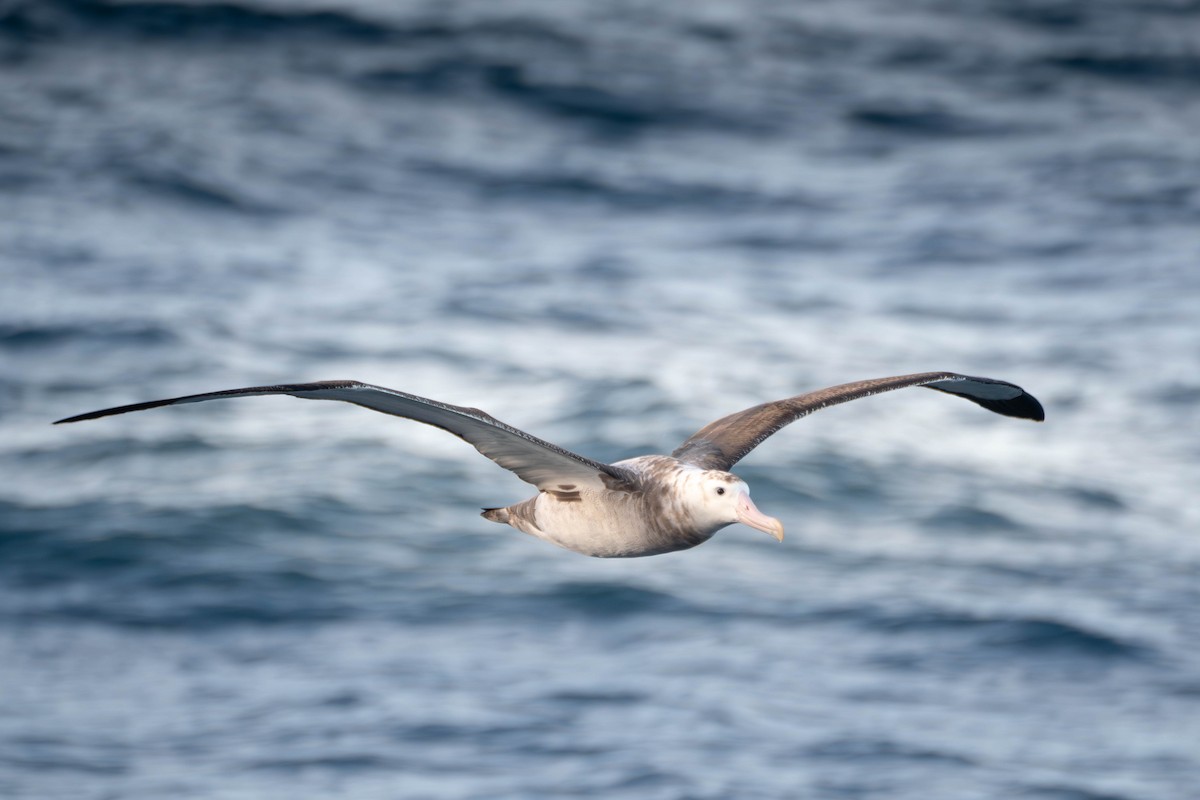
(607, 223)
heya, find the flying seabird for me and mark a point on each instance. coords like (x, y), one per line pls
(641, 506)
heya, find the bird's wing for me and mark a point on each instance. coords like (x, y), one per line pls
(545, 465)
(721, 444)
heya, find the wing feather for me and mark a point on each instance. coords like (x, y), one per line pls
(535, 461)
(721, 444)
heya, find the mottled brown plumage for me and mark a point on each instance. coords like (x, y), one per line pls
(642, 506)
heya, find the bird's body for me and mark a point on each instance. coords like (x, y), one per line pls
(649, 516)
(642, 506)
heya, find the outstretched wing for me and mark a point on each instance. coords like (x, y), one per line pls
(721, 444)
(545, 465)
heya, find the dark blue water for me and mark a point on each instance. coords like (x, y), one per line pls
(607, 223)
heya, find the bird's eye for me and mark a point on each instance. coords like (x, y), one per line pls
(720, 490)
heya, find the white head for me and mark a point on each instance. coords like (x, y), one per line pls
(716, 499)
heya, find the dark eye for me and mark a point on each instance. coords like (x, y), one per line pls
(720, 490)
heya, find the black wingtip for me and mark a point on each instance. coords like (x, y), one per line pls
(108, 412)
(77, 418)
(1023, 406)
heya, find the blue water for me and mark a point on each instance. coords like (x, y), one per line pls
(606, 223)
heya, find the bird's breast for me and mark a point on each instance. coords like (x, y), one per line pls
(609, 524)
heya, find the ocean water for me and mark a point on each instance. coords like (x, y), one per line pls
(607, 223)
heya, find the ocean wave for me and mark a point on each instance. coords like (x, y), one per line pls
(601, 104)
(120, 588)
(158, 21)
(95, 451)
(1030, 635)
(1050, 635)
(59, 756)
(1057, 792)
(348, 762)
(927, 121)
(94, 332)
(609, 599)
(640, 192)
(167, 20)
(1056, 16)
(63, 542)
(1148, 68)
(886, 749)
(971, 519)
(197, 191)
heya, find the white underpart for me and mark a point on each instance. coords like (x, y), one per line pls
(615, 523)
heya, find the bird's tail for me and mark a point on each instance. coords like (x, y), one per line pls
(496, 515)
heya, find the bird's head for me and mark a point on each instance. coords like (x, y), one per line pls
(717, 499)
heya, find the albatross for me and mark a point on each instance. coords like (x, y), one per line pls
(641, 506)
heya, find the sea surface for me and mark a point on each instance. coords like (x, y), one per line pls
(606, 223)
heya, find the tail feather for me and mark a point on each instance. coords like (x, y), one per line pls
(496, 515)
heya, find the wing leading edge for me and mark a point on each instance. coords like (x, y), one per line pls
(535, 461)
(724, 442)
